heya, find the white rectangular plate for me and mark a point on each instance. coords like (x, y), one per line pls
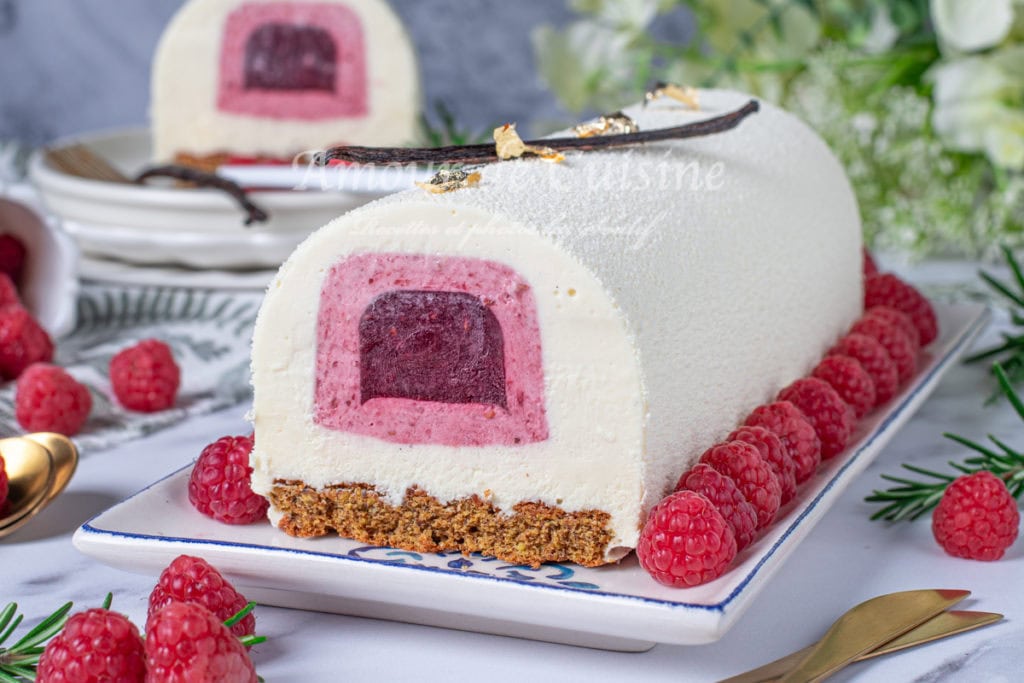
(613, 607)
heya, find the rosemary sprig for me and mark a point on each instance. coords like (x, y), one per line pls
(1010, 352)
(911, 498)
(248, 640)
(18, 662)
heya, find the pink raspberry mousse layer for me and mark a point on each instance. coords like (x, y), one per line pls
(427, 349)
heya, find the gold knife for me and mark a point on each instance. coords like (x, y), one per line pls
(867, 626)
(941, 626)
(864, 628)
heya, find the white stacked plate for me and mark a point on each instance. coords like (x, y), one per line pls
(192, 235)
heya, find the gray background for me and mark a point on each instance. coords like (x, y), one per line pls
(68, 66)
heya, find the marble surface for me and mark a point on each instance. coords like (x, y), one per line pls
(845, 560)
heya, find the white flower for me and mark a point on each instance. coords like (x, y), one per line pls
(883, 32)
(978, 105)
(969, 25)
(1004, 142)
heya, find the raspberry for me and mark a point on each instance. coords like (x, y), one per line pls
(96, 645)
(192, 579)
(873, 358)
(721, 491)
(187, 643)
(48, 399)
(22, 342)
(898, 319)
(686, 541)
(3, 485)
(753, 476)
(870, 268)
(145, 377)
(850, 380)
(899, 347)
(12, 257)
(831, 418)
(794, 431)
(885, 289)
(8, 292)
(220, 483)
(774, 453)
(977, 517)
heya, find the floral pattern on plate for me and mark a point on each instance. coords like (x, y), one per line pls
(550, 573)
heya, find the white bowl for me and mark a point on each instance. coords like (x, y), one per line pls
(165, 224)
(49, 287)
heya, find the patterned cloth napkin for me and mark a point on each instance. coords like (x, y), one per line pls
(208, 331)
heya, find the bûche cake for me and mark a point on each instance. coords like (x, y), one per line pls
(523, 368)
(249, 80)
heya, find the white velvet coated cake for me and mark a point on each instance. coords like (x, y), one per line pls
(642, 302)
(272, 78)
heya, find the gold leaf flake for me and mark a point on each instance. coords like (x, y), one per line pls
(686, 94)
(547, 154)
(448, 181)
(609, 124)
(508, 145)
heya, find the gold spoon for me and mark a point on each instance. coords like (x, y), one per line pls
(65, 458)
(30, 476)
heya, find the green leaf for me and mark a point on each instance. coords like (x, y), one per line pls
(970, 444)
(45, 629)
(929, 473)
(900, 480)
(1009, 344)
(929, 503)
(1002, 288)
(26, 672)
(886, 512)
(240, 614)
(6, 616)
(1011, 395)
(1014, 266)
(962, 468)
(250, 640)
(1011, 457)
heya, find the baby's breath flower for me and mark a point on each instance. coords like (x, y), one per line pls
(936, 161)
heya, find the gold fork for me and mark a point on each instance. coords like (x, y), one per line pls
(941, 626)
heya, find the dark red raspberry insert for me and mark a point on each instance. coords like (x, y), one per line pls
(282, 56)
(431, 346)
